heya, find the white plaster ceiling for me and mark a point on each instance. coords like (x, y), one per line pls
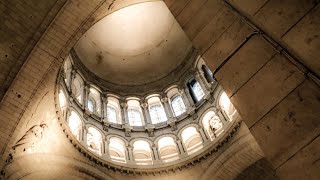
(135, 45)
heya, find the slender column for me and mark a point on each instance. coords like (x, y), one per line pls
(146, 114)
(202, 134)
(72, 77)
(180, 146)
(106, 149)
(186, 97)
(86, 91)
(124, 112)
(167, 108)
(104, 103)
(155, 152)
(130, 153)
(84, 136)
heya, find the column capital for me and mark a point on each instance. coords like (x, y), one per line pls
(144, 105)
(124, 105)
(164, 99)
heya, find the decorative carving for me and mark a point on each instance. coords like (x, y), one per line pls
(30, 138)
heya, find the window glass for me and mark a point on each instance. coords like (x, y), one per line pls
(197, 90)
(157, 114)
(91, 105)
(111, 114)
(178, 105)
(134, 117)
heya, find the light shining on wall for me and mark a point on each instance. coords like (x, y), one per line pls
(74, 124)
(227, 106)
(94, 140)
(62, 99)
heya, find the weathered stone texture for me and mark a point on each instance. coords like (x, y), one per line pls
(290, 125)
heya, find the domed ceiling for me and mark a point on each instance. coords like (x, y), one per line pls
(135, 45)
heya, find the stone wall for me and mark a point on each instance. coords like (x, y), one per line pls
(269, 75)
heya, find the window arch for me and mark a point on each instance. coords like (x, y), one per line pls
(227, 106)
(134, 113)
(77, 88)
(142, 151)
(112, 111)
(94, 140)
(196, 90)
(167, 149)
(75, 124)
(94, 102)
(191, 139)
(157, 113)
(176, 101)
(212, 124)
(117, 150)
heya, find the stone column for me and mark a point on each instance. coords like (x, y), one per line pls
(202, 134)
(106, 149)
(130, 153)
(72, 77)
(104, 103)
(186, 97)
(167, 107)
(86, 91)
(146, 114)
(199, 77)
(190, 106)
(124, 112)
(155, 152)
(180, 146)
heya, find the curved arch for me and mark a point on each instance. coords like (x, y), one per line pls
(212, 124)
(75, 124)
(168, 150)
(142, 152)
(94, 140)
(191, 139)
(117, 149)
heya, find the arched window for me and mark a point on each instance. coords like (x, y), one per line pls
(191, 139)
(67, 69)
(91, 105)
(113, 110)
(195, 90)
(227, 106)
(117, 150)
(207, 73)
(157, 113)
(142, 151)
(62, 99)
(134, 113)
(94, 140)
(75, 124)
(94, 102)
(77, 88)
(212, 124)
(178, 105)
(167, 149)
(176, 101)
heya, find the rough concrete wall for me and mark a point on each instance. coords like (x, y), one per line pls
(277, 101)
(22, 24)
